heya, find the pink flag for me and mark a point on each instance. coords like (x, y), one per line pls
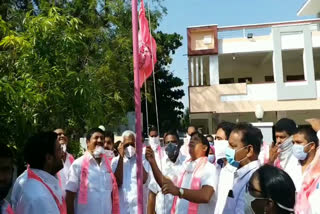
(147, 47)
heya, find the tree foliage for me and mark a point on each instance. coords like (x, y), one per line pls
(69, 64)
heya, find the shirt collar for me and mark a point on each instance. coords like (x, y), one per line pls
(247, 168)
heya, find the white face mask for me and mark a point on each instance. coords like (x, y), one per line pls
(220, 147)
(98, 151)
(249, 199)
(287, 144)
(130, 151)
(154, 142)
(109, 153)
(188, 138)
(64, 147)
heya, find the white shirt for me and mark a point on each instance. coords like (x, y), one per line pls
(171, 170)
(236, 180)
(128, 190)
(207, 178)
(226, 181)
(314, 201)
(99, 188)
(63, 174)
(36, 198)
(292, 166)
(17, 189)
(185, 148)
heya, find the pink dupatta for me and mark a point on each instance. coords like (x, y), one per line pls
(83, 192)
(61, 206)
(309, 184)
(195, 185)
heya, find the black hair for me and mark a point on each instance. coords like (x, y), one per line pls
(227, 127)
(259, 134)
(209, 135)
(201, 138)
(153, 128)
(110, 135)
(115, 147)
(38, 146)
(250, 136)
(5, 152)
(286, 125)
(277, 185)
(309, 134)
(92, 131)
(174, 133)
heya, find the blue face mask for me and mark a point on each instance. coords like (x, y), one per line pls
(230, 156)
(211, 158)
(298, 151)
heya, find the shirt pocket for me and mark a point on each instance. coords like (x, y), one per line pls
(99, 180)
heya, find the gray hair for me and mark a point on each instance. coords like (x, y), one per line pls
(128, 133)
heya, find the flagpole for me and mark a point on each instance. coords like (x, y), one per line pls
(137, 99)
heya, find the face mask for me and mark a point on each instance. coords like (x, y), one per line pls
(64, 147)
(220, 147)
(154, 142)
(188, 138)
(109, 153)
(211, 158)
(287, 144)
(130, 151)
(172, 150)
(4, 191)
(98, 151)
(211, 143)
(230, 155)
(249, 199)
(298, 151)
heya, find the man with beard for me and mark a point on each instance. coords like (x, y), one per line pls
(41, 192)
(67, 159)
(6, 173)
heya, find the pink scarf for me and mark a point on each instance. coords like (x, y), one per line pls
(83, 192)
(61, 206)
(71, 159)
(309, 184)
(9, 210)
(195, 185)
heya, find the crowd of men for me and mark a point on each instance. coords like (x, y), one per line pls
(232, 172)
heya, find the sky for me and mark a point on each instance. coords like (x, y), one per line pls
(185, 13)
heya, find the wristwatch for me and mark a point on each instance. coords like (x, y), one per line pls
(181, 192)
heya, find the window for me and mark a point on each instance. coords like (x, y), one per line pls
(227, 81)
(268, 78)
(245, 80)
(295, 77)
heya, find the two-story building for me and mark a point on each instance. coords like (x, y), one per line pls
(234, 70)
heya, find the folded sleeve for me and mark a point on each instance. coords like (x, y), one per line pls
(208, 177)
(73, 181)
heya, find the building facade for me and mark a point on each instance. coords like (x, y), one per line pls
(236, 69)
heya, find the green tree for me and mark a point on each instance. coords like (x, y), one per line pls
(69, 64)
(168, 87)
